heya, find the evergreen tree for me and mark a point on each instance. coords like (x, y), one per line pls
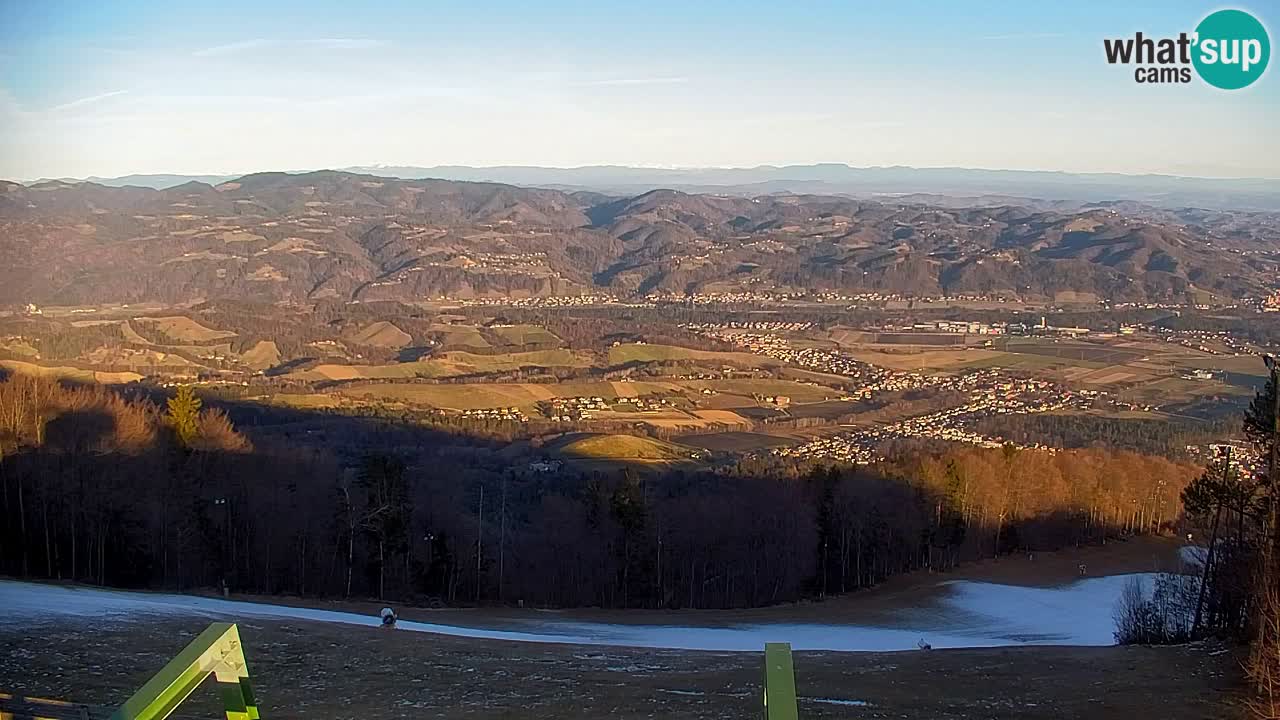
(184, 415)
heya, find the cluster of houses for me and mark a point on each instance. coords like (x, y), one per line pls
(547, 301)
(648, 404)
(575, 408)
(990, 393)
(511, 413)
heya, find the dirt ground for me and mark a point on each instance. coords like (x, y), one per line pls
(314, 670)
(319, 670)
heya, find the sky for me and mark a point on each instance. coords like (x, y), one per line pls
(110, 88)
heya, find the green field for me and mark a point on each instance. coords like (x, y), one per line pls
(797, 392)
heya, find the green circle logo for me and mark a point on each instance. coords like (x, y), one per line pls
(1232, 49)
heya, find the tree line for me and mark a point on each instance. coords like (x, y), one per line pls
(113, 488)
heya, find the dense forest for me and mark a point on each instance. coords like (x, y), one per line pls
(1167, 438)
(104, 487)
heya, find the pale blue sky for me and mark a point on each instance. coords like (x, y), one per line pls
(110, 88)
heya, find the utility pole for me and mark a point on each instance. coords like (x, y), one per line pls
(479, 541)
(502, 538)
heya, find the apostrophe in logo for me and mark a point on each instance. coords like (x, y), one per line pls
(1232, 51)
(1229, 50)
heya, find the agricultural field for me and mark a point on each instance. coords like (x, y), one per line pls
(643, 352)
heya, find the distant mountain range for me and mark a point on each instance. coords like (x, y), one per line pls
(347, 236)
(967, 185)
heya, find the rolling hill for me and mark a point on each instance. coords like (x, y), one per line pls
(278, 237)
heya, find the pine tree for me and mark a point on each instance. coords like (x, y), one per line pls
(184, 415)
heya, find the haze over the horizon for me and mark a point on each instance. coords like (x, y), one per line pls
(145, 87)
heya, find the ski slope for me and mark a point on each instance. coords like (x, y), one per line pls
(967, 614)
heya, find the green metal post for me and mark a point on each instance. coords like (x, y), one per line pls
(779, 683)
(216, 651)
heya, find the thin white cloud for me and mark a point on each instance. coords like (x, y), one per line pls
(1023, 36)
(607, 82)
(347, 43)
(86, 100)
(329, 43)
(231, 48)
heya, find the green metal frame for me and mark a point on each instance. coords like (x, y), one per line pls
(779, 683)
(218, 652)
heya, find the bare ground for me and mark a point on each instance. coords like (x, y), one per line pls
(314, 670)
(320, 670)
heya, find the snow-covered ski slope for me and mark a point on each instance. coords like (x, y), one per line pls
(965, 614)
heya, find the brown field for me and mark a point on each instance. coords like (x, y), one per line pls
(261, 356)
(721, 416)
(382, 334)
(70, 373)
(184, 329)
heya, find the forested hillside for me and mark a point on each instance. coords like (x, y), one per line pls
(102, 487)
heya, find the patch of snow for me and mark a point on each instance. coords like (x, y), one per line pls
(969, 614)
(834, 701)
(1193, 556)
